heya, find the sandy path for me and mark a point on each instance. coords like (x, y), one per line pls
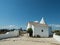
(25, 40)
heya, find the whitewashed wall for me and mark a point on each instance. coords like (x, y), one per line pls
(56, 37)
(9, 34)
(37, 31)
(29, 26)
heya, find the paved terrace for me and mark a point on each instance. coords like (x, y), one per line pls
(25, 40)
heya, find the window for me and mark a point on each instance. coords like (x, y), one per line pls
(41, 30)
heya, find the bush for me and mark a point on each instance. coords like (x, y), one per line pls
(30, 31)
(57, 32)
(38, 36)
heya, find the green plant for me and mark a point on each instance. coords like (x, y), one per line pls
(30, 31)
(57, 32)
(38, 36)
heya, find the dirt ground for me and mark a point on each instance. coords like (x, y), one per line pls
(25, 40)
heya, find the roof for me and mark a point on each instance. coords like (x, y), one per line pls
(37, 24)
(42, 21)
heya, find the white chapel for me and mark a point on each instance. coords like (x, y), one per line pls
(40, 28)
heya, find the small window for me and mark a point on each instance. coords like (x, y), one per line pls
(41, 30)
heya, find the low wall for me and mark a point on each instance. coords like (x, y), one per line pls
(56, 37)
(9, 34)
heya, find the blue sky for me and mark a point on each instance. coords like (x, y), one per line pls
(19, 12)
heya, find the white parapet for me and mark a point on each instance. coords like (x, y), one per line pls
(9, 34)
(56, 37)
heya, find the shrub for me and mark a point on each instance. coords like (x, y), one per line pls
(38, 36)
(30, 31)
(57, 32)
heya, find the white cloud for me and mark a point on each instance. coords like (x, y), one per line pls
(9, 27)
(55, 25)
